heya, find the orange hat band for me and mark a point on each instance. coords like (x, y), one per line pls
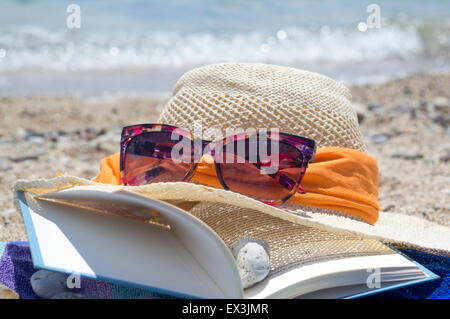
(340, 179)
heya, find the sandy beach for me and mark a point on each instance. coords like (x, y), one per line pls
(404, 123)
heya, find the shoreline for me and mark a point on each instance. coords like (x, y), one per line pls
(404, 123)
(110, 84)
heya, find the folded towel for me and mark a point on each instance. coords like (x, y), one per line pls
(16, 269)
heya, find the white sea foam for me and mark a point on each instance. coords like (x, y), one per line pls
(40, 48)
(130, 39)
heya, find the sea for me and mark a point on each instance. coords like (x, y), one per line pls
(126, 47)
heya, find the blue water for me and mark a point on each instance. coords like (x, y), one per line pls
(143, 46)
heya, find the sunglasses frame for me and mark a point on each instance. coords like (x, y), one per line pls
(305, 146)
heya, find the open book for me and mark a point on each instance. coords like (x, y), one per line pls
(131, 239)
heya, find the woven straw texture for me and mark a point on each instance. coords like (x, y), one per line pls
(290, 244)
(261, 96)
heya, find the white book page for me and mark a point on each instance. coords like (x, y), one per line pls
(131, 251)
(334, 273)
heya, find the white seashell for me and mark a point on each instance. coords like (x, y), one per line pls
(252, 259)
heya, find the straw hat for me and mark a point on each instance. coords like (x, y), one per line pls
(237, 95)
(294, 101)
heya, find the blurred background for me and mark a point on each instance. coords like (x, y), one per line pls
(143, 46)
(66, 92)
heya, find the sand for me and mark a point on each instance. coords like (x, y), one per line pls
(404, 123)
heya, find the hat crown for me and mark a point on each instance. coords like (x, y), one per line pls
(262, 96)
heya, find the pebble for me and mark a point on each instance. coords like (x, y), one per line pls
(252, 259)
(360, 111)
(30, 156)
(19, 134)
(445, 156)
(52, 136)
(109, 137)
(83, 158)
(65, 160)
(441, 102)
(73, 295)
(6, 293)
(38, 140)
(380, 138)
(7, 212)
(401, 109)
(4, 165)
(406, 156)
(373, 107)
(407, 90)
(47, 284)
(388, 208)
(30, 134)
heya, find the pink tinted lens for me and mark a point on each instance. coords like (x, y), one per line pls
(148, 158)
(267, 175)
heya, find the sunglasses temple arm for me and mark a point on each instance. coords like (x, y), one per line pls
(300, 189)
(280, 176)
(147, 176)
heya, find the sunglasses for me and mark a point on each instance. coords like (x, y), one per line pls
(266, 165)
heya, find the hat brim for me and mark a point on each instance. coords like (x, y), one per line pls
(398, 229)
